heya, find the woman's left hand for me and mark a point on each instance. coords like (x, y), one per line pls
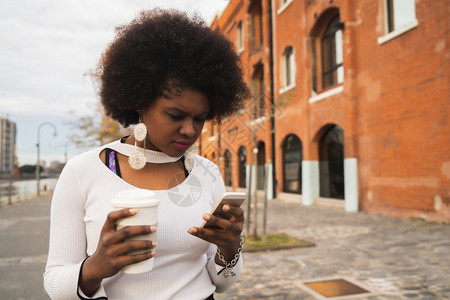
(226, 234)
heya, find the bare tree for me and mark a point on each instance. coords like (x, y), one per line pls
(95, 130)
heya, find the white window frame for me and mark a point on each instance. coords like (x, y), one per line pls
(284, 61)
(398, 31)
(324, 95)
(240, 37)
(284, 5)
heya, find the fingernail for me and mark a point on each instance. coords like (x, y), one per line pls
(153, 253)
(206, 217)
(133, 210)
(154, 244)
(192, 230)
(152, 229)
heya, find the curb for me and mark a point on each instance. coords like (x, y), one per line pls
(276, 248)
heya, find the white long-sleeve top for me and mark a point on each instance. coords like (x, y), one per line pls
(184, 266)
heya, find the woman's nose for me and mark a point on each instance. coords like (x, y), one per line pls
(187, 128)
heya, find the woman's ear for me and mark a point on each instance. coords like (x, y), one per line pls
(139, 113)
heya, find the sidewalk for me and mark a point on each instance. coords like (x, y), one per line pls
(24, 230)
(393, 258)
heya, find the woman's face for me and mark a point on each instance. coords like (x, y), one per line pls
(174, 124)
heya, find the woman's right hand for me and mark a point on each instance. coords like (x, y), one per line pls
(110, 256)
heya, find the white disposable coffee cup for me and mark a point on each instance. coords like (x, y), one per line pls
(146, 203)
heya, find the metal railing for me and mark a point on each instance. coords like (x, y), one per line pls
(17, 190)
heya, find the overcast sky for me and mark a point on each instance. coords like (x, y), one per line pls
(45, 48)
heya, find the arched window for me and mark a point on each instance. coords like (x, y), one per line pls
(331, 165)
(332, 58)
(242, 153)
(292, 164)
(227, 157)
(288, 68)
(327, 52)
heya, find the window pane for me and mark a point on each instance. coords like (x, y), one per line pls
(292, 69)
(332, 55)
(292, 160)
(242, 166)
(326, 54)
(338, 45)
(262, 100)
(227, 168)
(240, 43)
(327, 80)
(403, 13)
(288, 70)
(314, 65)
(340, 74)
(288, 60)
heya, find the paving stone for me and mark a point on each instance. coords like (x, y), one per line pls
(411, 295)
(395, 258)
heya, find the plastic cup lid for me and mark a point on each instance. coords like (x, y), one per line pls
(135, 198)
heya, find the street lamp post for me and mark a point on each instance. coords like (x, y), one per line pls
(38, 164)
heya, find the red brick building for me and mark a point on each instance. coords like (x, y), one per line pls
(350, 105)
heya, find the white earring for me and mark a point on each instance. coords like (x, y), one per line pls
(140, 132)
(189, 157)
(137, 158)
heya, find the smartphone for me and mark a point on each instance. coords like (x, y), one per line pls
(232, 198)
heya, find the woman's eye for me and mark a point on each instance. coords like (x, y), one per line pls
(175, 117)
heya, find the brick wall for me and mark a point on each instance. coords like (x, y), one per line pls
(392, 105)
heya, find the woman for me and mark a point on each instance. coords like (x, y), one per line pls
(169, 73)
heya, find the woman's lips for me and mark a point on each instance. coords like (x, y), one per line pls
(182, 145)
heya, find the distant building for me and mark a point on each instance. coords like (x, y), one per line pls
(7, 145)
(361, 102)
(54, 164)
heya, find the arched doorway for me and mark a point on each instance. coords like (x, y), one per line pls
(227, 157)
(261, 164)
(292, 164)
(242, 153)
(331, 164)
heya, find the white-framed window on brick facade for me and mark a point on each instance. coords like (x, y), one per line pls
(257, 86)
(287, 69)
(239, 37)
(332, 58)
(327, 52)
(399, 17)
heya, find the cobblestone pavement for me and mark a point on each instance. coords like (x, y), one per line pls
(393, 258)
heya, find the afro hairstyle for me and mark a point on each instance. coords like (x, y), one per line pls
(163, 52)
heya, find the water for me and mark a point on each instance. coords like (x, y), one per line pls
(22, 189)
